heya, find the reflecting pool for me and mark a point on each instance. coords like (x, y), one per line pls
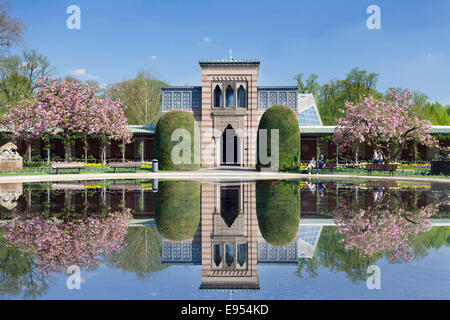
(269, 239)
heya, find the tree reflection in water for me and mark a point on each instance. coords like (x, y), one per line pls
(57, 244)
(278, 210)
(387, 231)
(141, 253)
(393, 226)
(177, 209)
(18, 274)
(386, 227)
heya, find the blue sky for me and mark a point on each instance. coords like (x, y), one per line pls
(119, 38)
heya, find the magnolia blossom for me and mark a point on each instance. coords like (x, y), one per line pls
(57, 245)
(383, 124)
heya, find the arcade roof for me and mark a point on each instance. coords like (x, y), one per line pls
(330, 129)
(321, 130)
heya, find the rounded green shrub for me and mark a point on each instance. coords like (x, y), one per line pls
(164, 145)
(283, 119)
(177, 209)
(278, 210)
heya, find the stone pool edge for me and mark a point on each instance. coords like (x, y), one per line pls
(199, 175)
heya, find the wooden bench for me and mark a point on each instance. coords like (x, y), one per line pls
(329, 166)
(125, 165)
(68, 165)
(124, 186)
(381, 167)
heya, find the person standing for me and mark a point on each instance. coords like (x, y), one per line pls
(375, 157)
(380, 158)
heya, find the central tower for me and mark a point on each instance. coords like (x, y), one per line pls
(229, 114)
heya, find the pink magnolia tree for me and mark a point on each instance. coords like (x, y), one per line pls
(107, 123)
(69, 109)
(56, 245)
(382, 231)
(385, 124)
(20, 120)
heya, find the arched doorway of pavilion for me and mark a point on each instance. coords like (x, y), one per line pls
(230, 147)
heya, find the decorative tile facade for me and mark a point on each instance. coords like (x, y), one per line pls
(181, 98)
(271, 96)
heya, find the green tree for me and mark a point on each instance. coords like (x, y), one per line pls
(280, 118)
(435, 112)
(13, 84)
(19, 75)
(141, 95)
(164, 146)
(331, 97)
(309, 86)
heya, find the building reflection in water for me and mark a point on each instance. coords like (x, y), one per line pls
(229, 234)
(226, 240)
(229, 244)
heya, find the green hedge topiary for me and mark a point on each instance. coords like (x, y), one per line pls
(166, 125)
(177, 209)
(283, 119)
(278, 210)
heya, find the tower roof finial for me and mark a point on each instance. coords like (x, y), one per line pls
(230, 52)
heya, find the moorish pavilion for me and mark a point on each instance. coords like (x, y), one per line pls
(229, 100)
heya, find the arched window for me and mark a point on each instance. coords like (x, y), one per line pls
(229, 97)
(229, 254)
(241, 97)
(242, 253)
(217, 97)
(217, 254)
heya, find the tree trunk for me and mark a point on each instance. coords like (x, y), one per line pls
(48, 151)
(29, 152)
(103, 152)
(123, 151)
(67, 147)
(85, 150)
(416, 153)
(68, 196)
(386, 155)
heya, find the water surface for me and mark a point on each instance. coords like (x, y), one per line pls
(287, 239)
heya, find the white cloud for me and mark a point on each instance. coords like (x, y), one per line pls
(83, 73)
(78, 72)
(207, 39)
(91, 76)
(153, 57)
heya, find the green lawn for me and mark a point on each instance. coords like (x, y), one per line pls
(44, 169)
(410, 172)
(37, 168)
